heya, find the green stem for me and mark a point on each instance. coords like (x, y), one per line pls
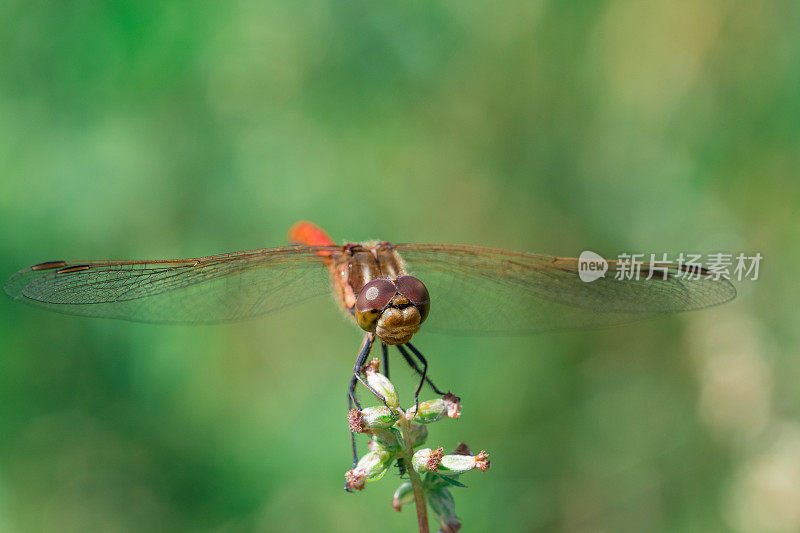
(416, 481)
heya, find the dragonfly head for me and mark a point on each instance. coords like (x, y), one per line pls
(393, 309)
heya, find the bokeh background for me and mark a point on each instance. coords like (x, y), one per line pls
(153, 130)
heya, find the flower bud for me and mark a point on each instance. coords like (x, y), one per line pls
(402, 496)
(457, 464)
(382, 385)
(428, 412)
(427, 460)
(371, 467)
(418, 435)
(444, 508)
(433, 410)
(385, 439)
(380, 417)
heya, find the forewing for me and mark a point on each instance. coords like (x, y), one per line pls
(203, 290)
(485, 290)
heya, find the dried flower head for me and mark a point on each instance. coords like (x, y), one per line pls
(434, 459)
(453, 403)
(354, 480)
(482, 462)
(356, 421)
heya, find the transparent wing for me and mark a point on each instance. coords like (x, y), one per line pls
(485, 290)
(204, 290)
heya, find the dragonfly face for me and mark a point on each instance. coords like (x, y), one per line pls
(393, 309)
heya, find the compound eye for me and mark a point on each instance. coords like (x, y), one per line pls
(417, 294)
(371, 301)
(413, 289)
(375, 295)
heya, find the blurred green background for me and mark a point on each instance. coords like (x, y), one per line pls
(154, 130)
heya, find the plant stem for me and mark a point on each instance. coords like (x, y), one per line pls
(416, 482)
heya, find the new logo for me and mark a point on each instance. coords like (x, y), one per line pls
(591, 266)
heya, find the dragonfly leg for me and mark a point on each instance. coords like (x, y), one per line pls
(366, 347)
(363, 353)
(385, 352)
(413, 364)
(350, 401)
(422, 380)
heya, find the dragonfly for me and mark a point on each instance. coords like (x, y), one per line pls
(389, 290)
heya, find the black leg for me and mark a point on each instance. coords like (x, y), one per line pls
(366, 347)
(413, 364)
(424, 375)
(363, 353)
(350, 398)
(385, 351)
